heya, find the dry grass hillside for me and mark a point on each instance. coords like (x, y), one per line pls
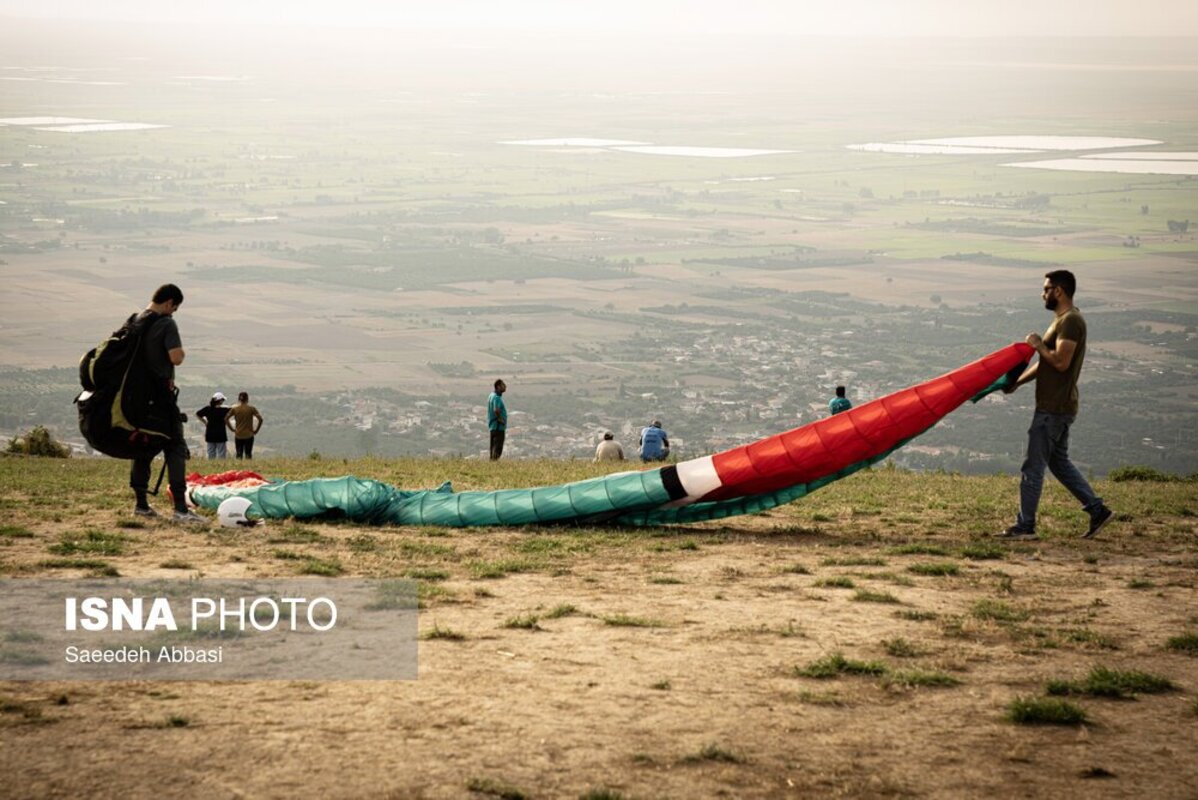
(871, 640)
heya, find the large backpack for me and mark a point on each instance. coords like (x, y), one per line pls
(124, 411)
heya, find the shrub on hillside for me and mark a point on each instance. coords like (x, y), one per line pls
(1139, 472)
(38, 442)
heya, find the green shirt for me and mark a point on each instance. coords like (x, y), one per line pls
(496, 413)
(1056, 392)
(243, 416)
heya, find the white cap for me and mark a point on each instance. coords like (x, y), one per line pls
(219, 396)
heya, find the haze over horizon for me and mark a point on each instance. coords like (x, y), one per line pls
(872, 18)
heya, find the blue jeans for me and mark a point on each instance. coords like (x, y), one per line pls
(1048, 446)
(218, 450)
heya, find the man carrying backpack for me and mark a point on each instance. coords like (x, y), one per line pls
(161, 351)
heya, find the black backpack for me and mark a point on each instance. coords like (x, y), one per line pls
(125, 412)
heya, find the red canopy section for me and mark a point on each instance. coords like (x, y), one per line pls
(829, 445)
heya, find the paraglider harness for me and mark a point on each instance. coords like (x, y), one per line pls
(125, 411)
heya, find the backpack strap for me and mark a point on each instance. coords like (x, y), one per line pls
(144, 320)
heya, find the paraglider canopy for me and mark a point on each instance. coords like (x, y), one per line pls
(744, 480)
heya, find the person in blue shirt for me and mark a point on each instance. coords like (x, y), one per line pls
(497, 419)
(655, 445)
(839, 402)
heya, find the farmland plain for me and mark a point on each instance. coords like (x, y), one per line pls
(359, 246)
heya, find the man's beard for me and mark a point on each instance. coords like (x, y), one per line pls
(1051, 303)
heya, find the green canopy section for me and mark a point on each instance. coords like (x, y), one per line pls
(1006, 381)
(626, 498)
(378, 503)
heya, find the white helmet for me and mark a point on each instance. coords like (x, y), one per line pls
(232, 512)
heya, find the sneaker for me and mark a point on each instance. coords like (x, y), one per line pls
(1098, 521)
(189, 518)
(1016, 532)
(144, 511)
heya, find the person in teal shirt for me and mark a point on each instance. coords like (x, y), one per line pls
(497, 419)
(839, 402)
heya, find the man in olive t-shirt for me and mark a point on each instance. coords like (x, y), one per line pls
(1062, 350)
(245, 422)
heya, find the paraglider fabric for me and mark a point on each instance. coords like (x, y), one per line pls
(744, 480)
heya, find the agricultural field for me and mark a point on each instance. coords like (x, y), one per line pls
(872, 640)
(357, 246)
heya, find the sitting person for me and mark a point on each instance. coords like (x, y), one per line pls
(839, 402)
(609, 449)
(654, 443)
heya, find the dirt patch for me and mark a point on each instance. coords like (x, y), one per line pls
(670, 663)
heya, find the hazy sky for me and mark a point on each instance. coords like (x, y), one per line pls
(798, 17)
